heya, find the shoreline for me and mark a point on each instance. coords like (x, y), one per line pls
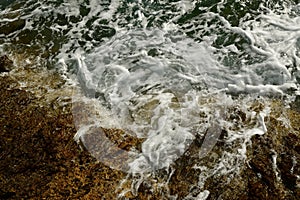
(40, 159)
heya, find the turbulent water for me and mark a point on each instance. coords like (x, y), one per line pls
(165, 71)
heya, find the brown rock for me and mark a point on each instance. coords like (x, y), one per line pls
(10, 27)
(39, 158)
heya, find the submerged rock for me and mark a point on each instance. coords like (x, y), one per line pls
(5, 64)
(271, 170)
(7, 28)
(295, 105)
(40, 159)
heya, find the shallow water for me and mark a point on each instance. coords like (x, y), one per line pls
(167, 72)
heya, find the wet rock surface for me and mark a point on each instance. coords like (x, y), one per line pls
(5, 64)
(271, 170)
(10, 27)
(40, 159)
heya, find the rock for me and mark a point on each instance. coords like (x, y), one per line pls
(270, 172)
(272, 167)
(7, 28)
(5, 64)
(295, 105)
(39, 158)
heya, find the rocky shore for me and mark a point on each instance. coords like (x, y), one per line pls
(40, 159)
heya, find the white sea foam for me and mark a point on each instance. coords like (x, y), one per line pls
(140, 89)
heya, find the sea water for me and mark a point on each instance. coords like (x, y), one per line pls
(164, 71)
